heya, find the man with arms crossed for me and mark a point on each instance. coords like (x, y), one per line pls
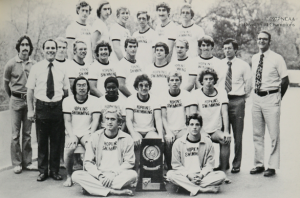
(108, 161)
(48, 83)
(16, 72)
(236, 79)
(129, 68)
(81, 116)
(270, 82)
(101, 69)
(143, 115)
(193, 161)
(146, 38)
(119, 33)
(212, 104)
(79, 29)
(175, 110)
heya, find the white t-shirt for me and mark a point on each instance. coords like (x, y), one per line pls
(129, 71)
(81, 32)
(158, 75)
(184, 66)
(146, 41)
(210, 108)
(143, 112)
(109, 161)
(191, 157)
(101, 27)
(118, 33)
(105, 104)
(81, 113)
(175, 106)
(167, 32)
(66, 64)
(192, 34)
(100, 72)
(76, 70)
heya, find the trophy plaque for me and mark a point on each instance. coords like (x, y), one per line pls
(151, 166)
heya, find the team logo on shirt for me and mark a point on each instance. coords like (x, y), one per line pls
(80, 111)
(143, 109)
(110, 146)
(83, 72)
(204, 65)
(180, 67)
(192, 151)
(185, 33)
(108, 73)
(85, 31)
(135, 69)
(211, 103)
(141, 39)
(159, 74)
(174, 103)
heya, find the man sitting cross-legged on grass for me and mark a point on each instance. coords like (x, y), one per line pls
(81, 116)
(193, 161)
(109, 158)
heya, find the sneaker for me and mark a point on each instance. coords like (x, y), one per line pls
(17, 169)
(31, 167)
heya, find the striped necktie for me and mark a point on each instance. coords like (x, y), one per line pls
(258, 76)
(50, 83)
(228, 82)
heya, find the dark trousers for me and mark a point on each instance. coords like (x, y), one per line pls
(49, 125)
(236, 113)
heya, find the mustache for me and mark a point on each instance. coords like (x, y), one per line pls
(25, 50)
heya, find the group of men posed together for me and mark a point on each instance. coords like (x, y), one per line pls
(125, 88)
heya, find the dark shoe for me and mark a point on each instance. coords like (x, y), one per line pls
(42, 177)
(55, 176)
(235, 170)
(219, 168)
(269, 172)
(257, 170)
(84, 192)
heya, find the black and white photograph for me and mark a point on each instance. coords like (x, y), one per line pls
(149, 98)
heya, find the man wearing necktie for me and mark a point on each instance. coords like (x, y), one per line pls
(270, 80)
(48, 83)
(237, 76)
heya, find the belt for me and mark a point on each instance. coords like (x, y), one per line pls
(230, 97)
(51, 104)
(19, 95)
(264, 93)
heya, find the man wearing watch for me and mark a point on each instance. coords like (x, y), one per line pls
(109, 159)
(193, 161)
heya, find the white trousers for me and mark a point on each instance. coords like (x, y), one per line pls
(95, 187)
(212, 179)
(266, 111)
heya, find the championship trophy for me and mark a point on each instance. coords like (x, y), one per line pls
(151, 166)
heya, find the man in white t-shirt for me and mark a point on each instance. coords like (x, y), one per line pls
(205, 59)
(101, 69)
(79, 29)
(81, 116)
(189, 30)
(193, 161)
(166, 30)
(183, 63)
(146, 38)
(99, 29)
(129, 68)
(119, 33)
(158, 71)
(143, 114)
(109, 158)
(175, 109)
(112, 99)
(78, 66)
(212, 104)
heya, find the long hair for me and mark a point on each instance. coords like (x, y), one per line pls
(75, 82)
(21, 40)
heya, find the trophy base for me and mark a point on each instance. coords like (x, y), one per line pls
(141, 186)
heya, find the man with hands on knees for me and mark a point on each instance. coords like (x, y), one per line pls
(81, 116)
(193, 161)
(212, 103)
(109, 159)
(143, 114)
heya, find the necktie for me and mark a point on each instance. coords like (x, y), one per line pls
(259, 73)
(228, 82)
(50, 83)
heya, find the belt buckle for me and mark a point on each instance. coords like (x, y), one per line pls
(24, 96)
(268, 93)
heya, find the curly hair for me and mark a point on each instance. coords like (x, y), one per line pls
(102, 44)
(206, 72)
(20, 40)
(141, 78)
(194, 116)
(164, 5)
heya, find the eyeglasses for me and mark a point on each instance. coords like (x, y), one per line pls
(24, 44)
(187, 13)
(144, 85)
